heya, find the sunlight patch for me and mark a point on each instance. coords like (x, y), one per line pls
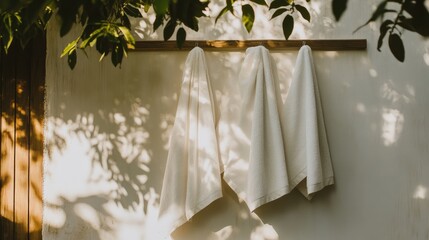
(420, 192)
(393, 121)
(224, 233)
(265, 232)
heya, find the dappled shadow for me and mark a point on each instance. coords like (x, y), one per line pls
(84, 218)
(238, 222)
(374, 115)
(22, 73)
(18, 230)
(109, 128)
(101, 124)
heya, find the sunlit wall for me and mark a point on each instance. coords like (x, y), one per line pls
(107, 129)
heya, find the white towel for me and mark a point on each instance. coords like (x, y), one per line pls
(192, 175)
(256, 166)
(306, 144)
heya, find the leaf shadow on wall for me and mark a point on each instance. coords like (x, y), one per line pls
(102, 117)
(110, 133)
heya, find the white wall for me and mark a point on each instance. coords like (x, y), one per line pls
(107, 131)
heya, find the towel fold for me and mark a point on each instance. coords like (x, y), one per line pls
(306, 145)
(256, 166)
(276, 147)
(192, 174)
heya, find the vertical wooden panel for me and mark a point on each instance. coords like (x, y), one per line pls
(7, 174)
(1, 139)
(37, 93)
(22, 75)
(22, 126)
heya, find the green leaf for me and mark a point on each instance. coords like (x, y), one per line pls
(93, 36)
(158, 22)
(180, 37)
(278, 12)
(169, 29)
(260, 2)
(160, 6)
(222, 12)
(132, 11)
(397, 47)
(103, 46)
(198, 9)
(84, 18)
(7, 38)
(72, 58)
(229, 4)
(248, 17)
(194, 25)
(385, 26)
(117, 55)
(89, 40)
(146, 7)
(288, 26)
(126, 21)
(338, 8)
(102, 56)
(70, 47)
(112, 31)
(8, 41)
(31, 13)
(278, 3)
(127, 35)
(304, 12)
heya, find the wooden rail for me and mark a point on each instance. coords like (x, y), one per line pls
(234, 45)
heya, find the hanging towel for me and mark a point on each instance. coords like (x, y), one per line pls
(306, 145)
(256, 166)
(192, 175)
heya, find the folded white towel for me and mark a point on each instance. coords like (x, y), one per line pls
(256, 166)
(192, 175)
(306, 145)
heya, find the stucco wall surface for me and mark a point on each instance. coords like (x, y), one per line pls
(107, 133)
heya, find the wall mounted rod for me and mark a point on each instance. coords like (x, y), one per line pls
(231, 45)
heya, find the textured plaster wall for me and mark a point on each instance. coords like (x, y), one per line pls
(107, 135)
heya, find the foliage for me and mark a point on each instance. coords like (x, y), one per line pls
(106, 23)
(411, 15)
(22, 23)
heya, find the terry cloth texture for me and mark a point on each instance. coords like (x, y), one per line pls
(256, 166)
(192, 175)
(306, 144)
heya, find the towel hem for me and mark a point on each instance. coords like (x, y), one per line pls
(261, 200)
(204, 203)
(310, 190)
(320, 185)
(269, 197)
(184, 219)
